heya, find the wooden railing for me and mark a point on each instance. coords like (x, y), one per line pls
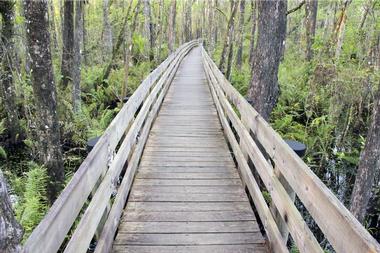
(253, 141)
(88, 207)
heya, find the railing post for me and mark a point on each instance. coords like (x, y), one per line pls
(299, 149)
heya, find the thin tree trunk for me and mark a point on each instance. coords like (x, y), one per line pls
(107, 30)
(363, 35)
(7, 87)
(44, 89)
(128, 50)
(215, 40)
(84, 39)
(253, 32)
(171, 28)
(329, 20)
(239, 53)
(231, 44)
(366, 8)
(78, 37)
(311, 8)
(264, 90)
(115, 50)
(148, 30)
(10, 230)
(368, 165)
(160, 28)
(67, 42)
(211, 26)
(228, 38)
(188, 29)
(340, 28)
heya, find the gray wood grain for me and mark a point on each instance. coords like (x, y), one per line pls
(243, 248)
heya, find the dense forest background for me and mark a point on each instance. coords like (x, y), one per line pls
(96, 53)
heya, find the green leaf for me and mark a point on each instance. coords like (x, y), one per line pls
(29, 143)
(3, 154)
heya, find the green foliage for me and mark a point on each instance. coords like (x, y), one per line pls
(138, 44)
(267, 197)
(3, 154)
(33, 204)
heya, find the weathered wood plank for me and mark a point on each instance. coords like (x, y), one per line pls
(187, 206)
(138, 189)
(175, 169)
(188, 239)
(189, 216)
(237, 248)
(222, 182)
(185, 159)
(188, 227)
(163, 175)
(193, 197)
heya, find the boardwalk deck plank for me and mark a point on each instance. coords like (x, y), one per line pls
(187, 196)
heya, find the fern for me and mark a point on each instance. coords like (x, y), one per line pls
(33, 206)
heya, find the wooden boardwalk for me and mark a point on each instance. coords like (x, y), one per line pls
(182, 190)
(187, 195)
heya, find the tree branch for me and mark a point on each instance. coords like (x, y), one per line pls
(295, 8)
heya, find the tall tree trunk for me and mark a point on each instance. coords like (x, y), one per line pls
(340, 28)
(84, 39)
(239, 53)
(171, 28)
(148, 30)
(107, 30)
(78, 37)
(10, 230)
(216, 6)
(67, 42)
(211, 26)
(44, 89)
(160, 30)
(253, 32)
(368, 165)
(52, 24)
(228, 41)
(311, 8)
(7, 87)
(23, 38)
(264, 89)
(231, 44)
(188, 29)
(128, 50)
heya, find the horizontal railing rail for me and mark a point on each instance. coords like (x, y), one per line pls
(86, 207)
(253, 141)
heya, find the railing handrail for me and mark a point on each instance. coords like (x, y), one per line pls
(49, 235)
(339, 226)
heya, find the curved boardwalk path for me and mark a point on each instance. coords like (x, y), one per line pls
(187, 195)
